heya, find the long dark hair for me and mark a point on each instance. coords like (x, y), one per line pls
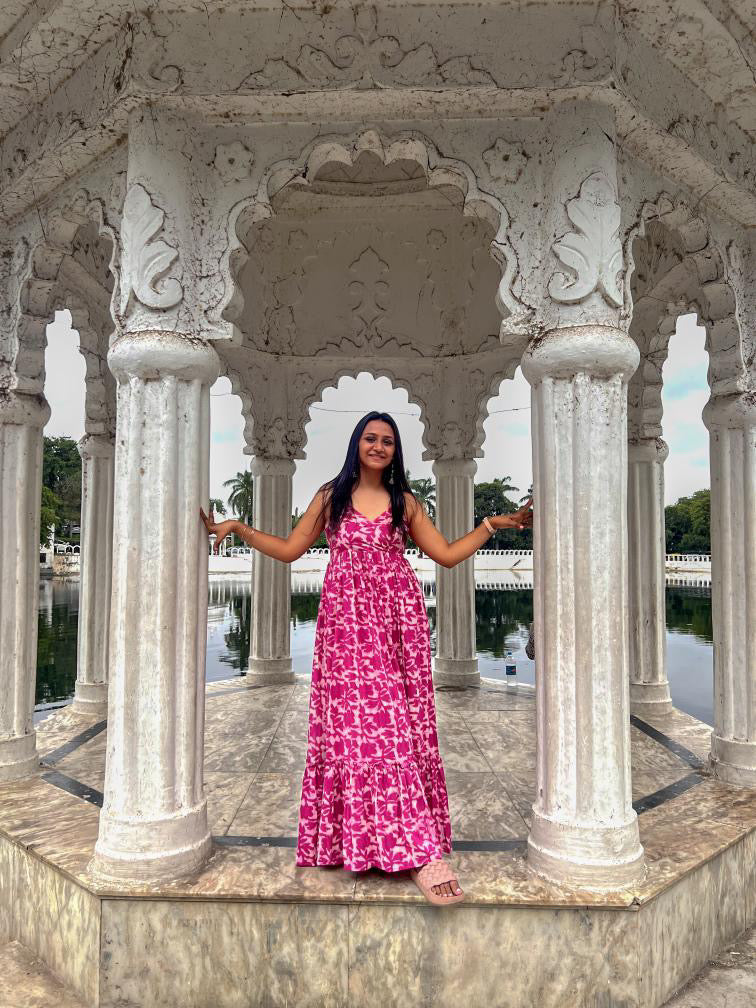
(338, 491)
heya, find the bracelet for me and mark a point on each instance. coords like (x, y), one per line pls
(489, 526)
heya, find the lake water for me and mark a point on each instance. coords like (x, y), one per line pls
(502, 619)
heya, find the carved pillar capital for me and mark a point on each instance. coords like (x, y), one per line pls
(23, 410)
(583, 268)
(155, 354)
(263, 466)
(454, 467)
(647, 450)
(93, 446)
(595, 350)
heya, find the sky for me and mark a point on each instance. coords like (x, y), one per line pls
(506, 448)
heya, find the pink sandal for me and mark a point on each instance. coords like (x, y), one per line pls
(435, 873)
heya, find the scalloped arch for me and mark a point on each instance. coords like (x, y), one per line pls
(45, 288)
(408, 146)
(505, 373)
(713, 302)
(332, 381)
(239, 388)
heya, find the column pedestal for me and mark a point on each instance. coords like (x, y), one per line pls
(584, 829)
(91, 693)
(21, 421)
(455, 662)
(153, 824)
(270, 636)
(649, 688)
(731, 421)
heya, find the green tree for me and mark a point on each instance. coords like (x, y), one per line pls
(61, 474)
(688, 524)
(491, 498)
(241, 497)
(217, 506)
(48, 514)
(425, 490)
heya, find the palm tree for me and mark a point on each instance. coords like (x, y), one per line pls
(217, 506)
(506, 485)
(241, 498)
(425, 490)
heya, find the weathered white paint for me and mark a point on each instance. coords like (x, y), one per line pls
(649, 687)
(731, 422)
(21, 421)
(584, 829)
(97, 457)
(269, 639)
(154, 819)
(455, 662)
(392, 189)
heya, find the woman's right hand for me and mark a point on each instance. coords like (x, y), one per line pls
(219, 529)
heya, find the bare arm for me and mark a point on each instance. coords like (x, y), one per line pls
(284, 548)
(449, 554)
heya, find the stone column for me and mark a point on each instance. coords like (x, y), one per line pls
(455, 662)
(269, 643)
(584, 830)
(97, 454)
(731, 421)
(21, 421)
(153, 824)
(649, 688)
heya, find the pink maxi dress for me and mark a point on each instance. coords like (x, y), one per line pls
(373, 789)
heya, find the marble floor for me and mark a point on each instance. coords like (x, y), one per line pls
(254, 756)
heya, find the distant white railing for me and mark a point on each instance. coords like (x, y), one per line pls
(689, 559)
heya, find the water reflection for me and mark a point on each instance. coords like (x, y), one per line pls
(502, 619)
(56, 641)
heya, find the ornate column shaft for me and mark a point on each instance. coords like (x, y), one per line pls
(154, 819)
(731, 421)
(455, 662)
(584, 829)
(21, 421)
(269, 645)
(649, 688)
(97, 456)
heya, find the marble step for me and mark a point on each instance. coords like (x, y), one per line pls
(25, 981)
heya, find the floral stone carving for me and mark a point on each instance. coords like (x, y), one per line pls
(145, 262)
(593, 252)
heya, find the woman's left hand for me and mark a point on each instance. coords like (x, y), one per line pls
(218, 529)
(522, 518)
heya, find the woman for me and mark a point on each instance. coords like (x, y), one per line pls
(373, 790)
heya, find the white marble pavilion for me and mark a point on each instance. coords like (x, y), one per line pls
(438, 193)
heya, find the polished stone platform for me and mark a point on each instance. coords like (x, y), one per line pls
(253, 929)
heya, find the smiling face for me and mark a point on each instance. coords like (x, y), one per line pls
(377, 445)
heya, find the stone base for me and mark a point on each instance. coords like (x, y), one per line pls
(179, 848)
(459, 672)
(734, 762)
(270, 671)
(253, 928)
(91, 699)
(300, 949)
(650, 700)
(18, 757)
(599, 860)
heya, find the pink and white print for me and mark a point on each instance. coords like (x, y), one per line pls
(373, 790)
